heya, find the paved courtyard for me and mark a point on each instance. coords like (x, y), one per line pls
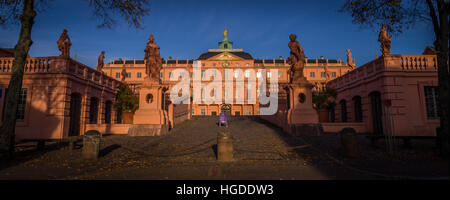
(262, 151)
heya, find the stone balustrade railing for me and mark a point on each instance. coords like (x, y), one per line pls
(418, 62)
(61, 65)
(391, 63)
(32, 65)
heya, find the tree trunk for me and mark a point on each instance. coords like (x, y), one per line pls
(7, 129)
(443, 75)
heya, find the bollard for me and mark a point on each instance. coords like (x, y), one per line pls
(224, 146)
(349, 142)
(91, 144)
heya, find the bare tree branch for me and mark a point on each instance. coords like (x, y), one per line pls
(10, 11)
(434, 18)
(396, 15)
(132, 11)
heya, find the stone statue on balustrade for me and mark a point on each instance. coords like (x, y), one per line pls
(296, 59)
(350, 60)
(100, 61)
(152, 58)
(64, 44)
(123, 73)
(385, 41)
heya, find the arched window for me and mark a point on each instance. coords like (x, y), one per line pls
(108, 107)
(93, 111)
(75, 114)
(358, 108)
(343, 104)
(375, 105)
(332, 113)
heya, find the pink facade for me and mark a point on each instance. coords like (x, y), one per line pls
(393, 94)
(51, 87)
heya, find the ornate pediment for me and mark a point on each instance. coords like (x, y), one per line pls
(225, 56)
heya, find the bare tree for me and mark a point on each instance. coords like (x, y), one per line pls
(398, 15)
(24, 12)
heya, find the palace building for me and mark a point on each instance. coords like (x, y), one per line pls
(318, 71)
(393, 95)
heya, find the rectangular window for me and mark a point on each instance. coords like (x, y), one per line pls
(20, 116)
(203, 74)
(312, 74)
(247, 73)
(258, 74)
(193, 112)
(129, 75)
(203, 112)
(118, 116)
(170, 74)
(139, 75)
(432, 101)
(160, 75)
(117, 75)
(322, 74)
(280, 74)
(248, 111)
(333, 74)
(203, 94)
(269, 74)
(236, 74)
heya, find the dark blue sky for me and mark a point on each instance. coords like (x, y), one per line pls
(185, 29)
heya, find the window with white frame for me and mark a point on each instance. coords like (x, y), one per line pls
(247, 73)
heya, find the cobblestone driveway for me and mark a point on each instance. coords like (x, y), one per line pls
(188, 152)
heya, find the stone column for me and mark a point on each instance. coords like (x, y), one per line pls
(91, 145)
(150, 119)
(224, 146)
(301, 116)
